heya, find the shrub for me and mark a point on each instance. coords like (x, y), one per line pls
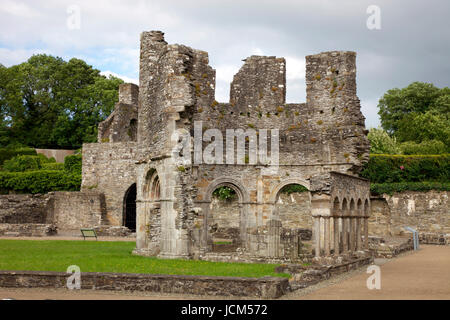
(9, 153)
(425, 147)
(390, 188)
(22, 163)
(382, 143)
(413, 168)
(42, 181)
(224, 193)
(73, 163)
(53, 166)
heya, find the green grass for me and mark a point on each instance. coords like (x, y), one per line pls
(93, 256)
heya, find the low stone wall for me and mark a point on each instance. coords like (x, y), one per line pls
(305, 276)
(433, 238)
(27, 230)
(112, 231)
(427, 212)
(389, 249)
(75, 210)
(64, 210)
(268, 288)
(24, 208)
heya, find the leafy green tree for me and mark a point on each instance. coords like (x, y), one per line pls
(47, 102)
(382, 143)
(424, 147)
(418, 97)
(420, 127)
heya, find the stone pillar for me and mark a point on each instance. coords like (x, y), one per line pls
(352, 233)
(366, 233)
(327, 236)
(273, 246)
(141, 219)
(336, 235)
(317, 235)
(358, 233)
(345, 234)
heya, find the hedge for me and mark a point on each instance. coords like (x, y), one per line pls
(8, 153)
(73, 163)
(390, 188)
(412, 168)
(53, 166)
(42, 181)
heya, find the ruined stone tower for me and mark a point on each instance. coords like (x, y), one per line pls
(322, 145)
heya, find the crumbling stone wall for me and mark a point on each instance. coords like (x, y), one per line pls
(24, 208)
(76, 210)
(109, 168)
(427, 212)
(121, 125)
(40, 215)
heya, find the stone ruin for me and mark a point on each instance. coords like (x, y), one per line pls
(322, 145)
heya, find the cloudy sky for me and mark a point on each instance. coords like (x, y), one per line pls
(413, 43)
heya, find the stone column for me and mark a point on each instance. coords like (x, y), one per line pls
(366, 233)
(273, 246)
(317, 235)
(345, 234)
(327, 236)
(352, 233)
(358, 233)
(336, 235)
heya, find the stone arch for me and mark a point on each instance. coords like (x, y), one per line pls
(344, 207)
(129, 208)
(359, 208)
(367, 208)
(294, 209)
(336, 207)
(151, 189)
(237, 234)
(352, 207)
(234, 184)
(275, 191)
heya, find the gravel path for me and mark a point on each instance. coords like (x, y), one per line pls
(414, 275)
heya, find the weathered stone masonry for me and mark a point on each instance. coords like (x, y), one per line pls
(322, 146)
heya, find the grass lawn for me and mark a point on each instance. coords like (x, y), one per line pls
(93, 256)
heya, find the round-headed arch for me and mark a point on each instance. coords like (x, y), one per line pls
(284, 183)
(234, 184)
(151, 188)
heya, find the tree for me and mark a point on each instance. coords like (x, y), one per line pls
(382, 143)
(418, 97)
(420, 127)
(47, 102)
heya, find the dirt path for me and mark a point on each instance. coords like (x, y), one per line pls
(420, 275)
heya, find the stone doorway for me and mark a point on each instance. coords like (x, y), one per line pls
(129, 212)
(224, 220)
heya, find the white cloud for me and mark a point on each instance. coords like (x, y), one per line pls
(14, 8)
(124, 78)
(10, 57)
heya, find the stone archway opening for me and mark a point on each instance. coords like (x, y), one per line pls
(293, 209)
(129, 208)
(225, 219)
